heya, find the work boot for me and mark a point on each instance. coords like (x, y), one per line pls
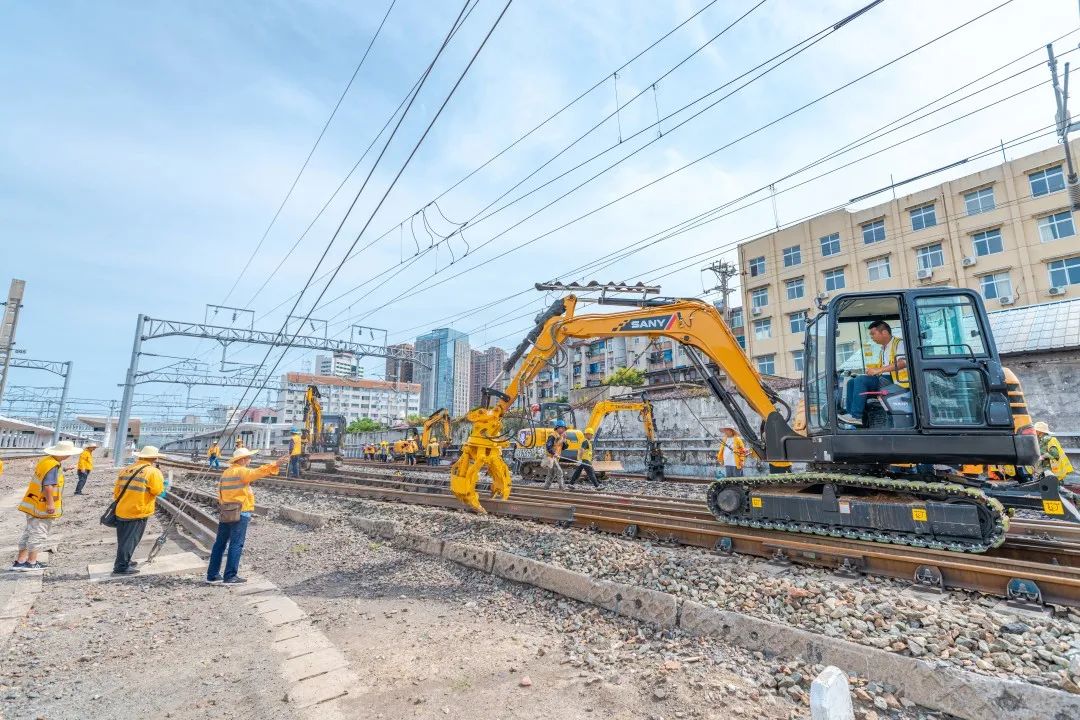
(129, 571)
(215, 579)
(235, 580)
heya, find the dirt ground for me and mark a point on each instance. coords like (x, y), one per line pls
(425, 637)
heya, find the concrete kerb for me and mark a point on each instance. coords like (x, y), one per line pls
(942, 687)
(302, 516)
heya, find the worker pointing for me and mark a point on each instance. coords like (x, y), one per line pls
(235, 487)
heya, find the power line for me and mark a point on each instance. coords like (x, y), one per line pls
(393, 182)
(434, 201)
(416, 289)
(311, 152)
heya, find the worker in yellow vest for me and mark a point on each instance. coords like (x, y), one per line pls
(585, 460)
(433, 452)
(239, 444)
(85, 465)
(136, 491)
(732, 454)
(214, 454)
(296, 449)
(43, 503)
(1052, 456)
(890, 376)
(410, 451)
(235, 487)
(384, 450)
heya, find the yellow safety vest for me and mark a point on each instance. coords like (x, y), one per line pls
(235, 484)
(86, 461)
(141, 497)
(214, 451)
(33, 502)
(586, 451)
(433, 449)
(899, 377)
(1062, 466)
(295, 450)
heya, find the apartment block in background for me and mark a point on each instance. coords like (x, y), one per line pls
(1007, 232)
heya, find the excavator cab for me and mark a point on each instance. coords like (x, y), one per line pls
(550, 412)
(953, 383)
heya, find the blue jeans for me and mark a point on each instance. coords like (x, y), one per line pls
(294, 466)
(214, 462)
(856, 386)
(231, 535)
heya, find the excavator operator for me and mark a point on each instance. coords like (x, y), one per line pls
(890, 377)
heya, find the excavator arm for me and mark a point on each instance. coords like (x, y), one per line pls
(693, 323)
(313, 425)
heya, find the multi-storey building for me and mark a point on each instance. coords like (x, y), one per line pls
(486, 367)
(339, 364)
(1007, 232)
(444, 381)
(385, 402)
(399, 370)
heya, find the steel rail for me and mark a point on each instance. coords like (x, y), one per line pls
(1027, 568)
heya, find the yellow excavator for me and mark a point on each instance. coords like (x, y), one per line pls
(438, 420)
(322, 436)
(654, 455)
(886, 476)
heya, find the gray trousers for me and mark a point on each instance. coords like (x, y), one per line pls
(555, 473)
(128, 535)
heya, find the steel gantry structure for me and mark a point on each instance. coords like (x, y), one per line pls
(148, 328)
(57, 367)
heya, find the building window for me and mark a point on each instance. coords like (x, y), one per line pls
(979, 201)
(873, 232)
(1046, 181)
(797, 360)
(792, 256)
(741, 340)
(878, 269)
(1065, 272)
(997, 285)
(923, 217)
(834, 279)
(1056, 226)
(757, 266)
(759, 298)
(763, 329)
(736, 318)
(987, 242)
(795, 288)
(766, 364)
(930, 257)
(845, 352)
(830, 245)
(797, 321)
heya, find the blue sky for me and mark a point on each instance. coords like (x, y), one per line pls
(144, 148)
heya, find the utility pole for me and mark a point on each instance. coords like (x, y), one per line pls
(1061, 99)
(724, 271)
(7, 328)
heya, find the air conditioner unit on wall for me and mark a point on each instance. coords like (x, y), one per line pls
(822, 296)
(755, 311)
(968, 261)
(1057, 291)
(924, 274)
(1007, 300)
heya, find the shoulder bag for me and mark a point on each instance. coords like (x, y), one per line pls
(109, 518)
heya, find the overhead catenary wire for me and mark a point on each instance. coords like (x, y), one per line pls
(416, 288)
(494, 157)
(397, 176)
(866, 138)
(307, 160)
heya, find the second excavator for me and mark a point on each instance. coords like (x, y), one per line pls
(884, 476)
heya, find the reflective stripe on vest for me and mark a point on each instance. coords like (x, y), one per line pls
(33, 502)
(899, 377)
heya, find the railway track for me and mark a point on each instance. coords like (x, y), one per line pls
(1039, 563)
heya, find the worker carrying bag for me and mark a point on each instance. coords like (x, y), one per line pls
(109, 518)
(229, 512)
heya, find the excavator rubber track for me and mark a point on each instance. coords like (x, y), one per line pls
(939, 515)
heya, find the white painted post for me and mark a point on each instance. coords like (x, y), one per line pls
(830, 697)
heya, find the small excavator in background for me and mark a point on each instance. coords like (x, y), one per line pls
(889, 477)
(438, 420)
(322, 436)
(654, 455)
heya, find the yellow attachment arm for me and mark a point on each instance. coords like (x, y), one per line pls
(693, 323)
